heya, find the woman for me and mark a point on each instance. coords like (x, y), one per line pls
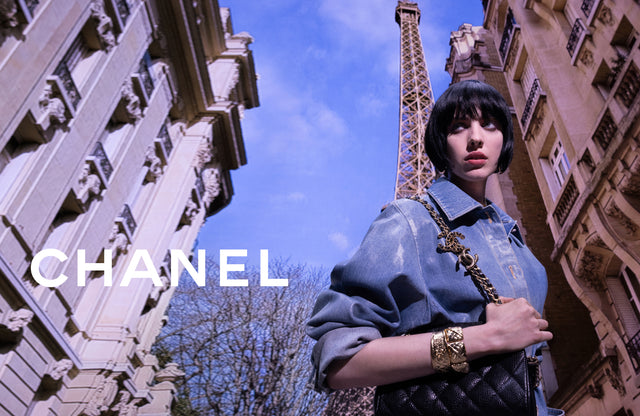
(397, 281)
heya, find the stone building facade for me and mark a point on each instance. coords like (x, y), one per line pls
(570, 69)
(120, 123)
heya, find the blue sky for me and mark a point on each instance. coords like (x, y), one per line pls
(322, 146)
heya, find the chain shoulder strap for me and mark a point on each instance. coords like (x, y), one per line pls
(468, 260)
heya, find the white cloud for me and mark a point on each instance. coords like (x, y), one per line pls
(296, 196)
(295, 127)
(339, 240)
(369, 22)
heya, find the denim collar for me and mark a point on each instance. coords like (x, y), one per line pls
(454, 203)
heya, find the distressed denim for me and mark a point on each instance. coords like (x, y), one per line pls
(397, 281)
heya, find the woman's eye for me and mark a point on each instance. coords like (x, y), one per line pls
(457, 127)
(490, 125)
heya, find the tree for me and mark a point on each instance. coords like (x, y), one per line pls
(243, 349)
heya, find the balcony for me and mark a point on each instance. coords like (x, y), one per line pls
(126, 222)
(587, 7)
(507, 35)
(100, 162)
(576, 38)
(606, 131)
(566, 201)
(163, 143)
(629, 86)
(633, 348)
(68, 87)
(145, 74)
(532, 103)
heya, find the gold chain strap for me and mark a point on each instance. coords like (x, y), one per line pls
(469, 261)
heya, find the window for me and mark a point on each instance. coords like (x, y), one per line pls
(624, 291)
(554, 162)
(559, 163)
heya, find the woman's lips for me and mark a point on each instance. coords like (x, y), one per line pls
(476, 159)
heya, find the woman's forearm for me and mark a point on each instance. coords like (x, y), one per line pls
(509, 327)
(392, 359)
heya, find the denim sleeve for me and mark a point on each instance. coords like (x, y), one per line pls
(368, 293)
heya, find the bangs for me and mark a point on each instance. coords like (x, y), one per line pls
(474, 102)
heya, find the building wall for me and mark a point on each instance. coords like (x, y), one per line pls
(120, 123)
(571, 72)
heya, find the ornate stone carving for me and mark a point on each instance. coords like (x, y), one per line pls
(587, 161)
(154, 296)
(627, 224)
(596, 241)
(614, 376)
(131, 102)
(8, 13)
(588, 269)
(118, 241)
(211, 179)
(205, 154)
(154, 162)
(595, 391)
(19, 319)
(60, 369)
(104, 25)
(586, 57)
(630, 185)
(52, 107)
(89, 184)
(191, 209)
(605, 16)
(125, 405)
(170, 372)
(102, 397)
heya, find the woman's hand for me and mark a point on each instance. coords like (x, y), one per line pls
(514, 325)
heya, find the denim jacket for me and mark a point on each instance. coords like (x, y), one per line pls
(397, 281)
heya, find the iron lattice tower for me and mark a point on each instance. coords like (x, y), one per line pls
(415, 171)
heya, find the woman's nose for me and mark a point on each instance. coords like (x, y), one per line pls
(475, 134)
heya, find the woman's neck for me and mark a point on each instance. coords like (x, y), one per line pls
(475, 189)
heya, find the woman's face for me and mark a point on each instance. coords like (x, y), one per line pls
(473, 149)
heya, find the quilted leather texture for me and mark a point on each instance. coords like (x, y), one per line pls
(498, 385)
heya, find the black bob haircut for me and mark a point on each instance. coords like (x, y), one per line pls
(464, 100)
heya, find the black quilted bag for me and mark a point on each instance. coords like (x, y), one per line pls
(496, 385)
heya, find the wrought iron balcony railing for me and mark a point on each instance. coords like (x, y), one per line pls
(534, 93)
(574, 38)
(633, 348)
(566, 201)
(629, 86)
(127, 221)
(145, 75)
(164, 141)
(69, 86)
(507, 34)
(101, 162)
(123, 10)
(587, 7)
(606, 130)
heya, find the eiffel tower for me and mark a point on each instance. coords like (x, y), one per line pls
(415, 171)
